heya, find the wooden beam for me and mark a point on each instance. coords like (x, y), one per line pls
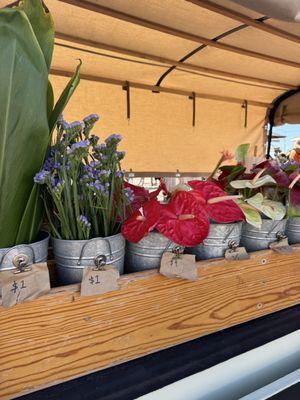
(62, 336)
(169, 62)
(227, 12)
(178, 33)
(157, 89)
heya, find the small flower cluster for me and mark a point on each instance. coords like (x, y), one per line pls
(85, 195)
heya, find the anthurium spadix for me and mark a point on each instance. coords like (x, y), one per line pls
(26, 107)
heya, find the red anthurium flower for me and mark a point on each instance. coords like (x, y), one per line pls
(183, 220)
(218, 206)
(142, 221)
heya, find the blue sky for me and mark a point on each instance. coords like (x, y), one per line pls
(290, 131)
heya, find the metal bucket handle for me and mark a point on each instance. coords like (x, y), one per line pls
(273, 228)
(228, 234)
(173, 247)
(18, 247)
(94, 240)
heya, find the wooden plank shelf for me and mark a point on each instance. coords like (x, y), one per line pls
(62, 335)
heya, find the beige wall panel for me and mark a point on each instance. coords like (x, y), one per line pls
(160, 136)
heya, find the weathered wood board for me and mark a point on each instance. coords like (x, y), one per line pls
(62, 336)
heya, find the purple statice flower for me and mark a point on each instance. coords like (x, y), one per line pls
(129, 193)
(100, 147)
(91, 119)
(104, 157)
(99, 186)
(104, 172)
(48, 164)
(94, 139)
(41, 177)
(65, 126)
(76, 125)
(94, 164)
(85, 222)
(114, 138)
(56, 165)
(120, 155)
(119, 174)
(52, 181)
(57, 185)
(83, 144)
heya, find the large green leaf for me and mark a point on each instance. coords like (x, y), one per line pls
(251, 214)
(32, 217)
(42, 24)
(251, 184)
(33, 213)
(24, 130)
(64, 98)
(50, 100)
(241, 153)
(272, 209)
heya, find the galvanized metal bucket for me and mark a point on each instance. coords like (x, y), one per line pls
(292, 230)
(218, 241)
(36, 252)
(73, 255)
(254, 239)
(147, 253)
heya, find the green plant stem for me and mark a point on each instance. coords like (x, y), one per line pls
(52, 226)
(76, 205)
(66, 232)
(69, 204)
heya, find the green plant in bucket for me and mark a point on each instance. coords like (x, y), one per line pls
(85, 195)
(28, 115)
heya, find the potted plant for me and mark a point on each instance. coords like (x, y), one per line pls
(291, 169)
(184, 220)
(85, 198)
(28, 116)
(263, 198)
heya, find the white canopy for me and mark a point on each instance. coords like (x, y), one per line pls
(218, 58)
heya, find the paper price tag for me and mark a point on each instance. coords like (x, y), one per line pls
(237, 253)
(29, 285)
(179, 266)
(281, 246)
(99, 281)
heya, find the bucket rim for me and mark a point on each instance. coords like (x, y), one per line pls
(43, 236)
(86, 240)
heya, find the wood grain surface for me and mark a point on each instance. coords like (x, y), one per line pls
(62, 336)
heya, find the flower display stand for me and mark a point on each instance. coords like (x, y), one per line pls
(62, 336)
